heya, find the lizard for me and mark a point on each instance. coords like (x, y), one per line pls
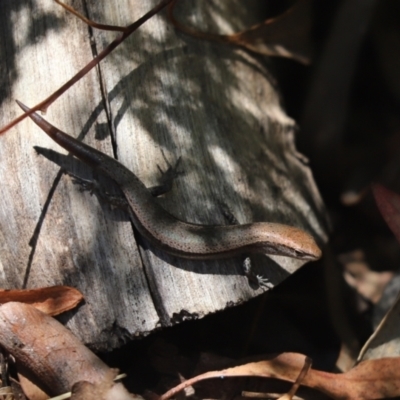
(177, 237)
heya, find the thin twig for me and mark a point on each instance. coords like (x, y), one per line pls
(43, 105)
(89, 22)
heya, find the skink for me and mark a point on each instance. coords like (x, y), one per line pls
(179, 238)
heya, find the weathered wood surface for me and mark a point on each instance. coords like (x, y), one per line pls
(160, 93)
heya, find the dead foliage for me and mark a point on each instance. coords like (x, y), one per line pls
(60, 362)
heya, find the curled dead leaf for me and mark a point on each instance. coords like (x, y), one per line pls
(371, 379)
(52, 300)
(284, 36)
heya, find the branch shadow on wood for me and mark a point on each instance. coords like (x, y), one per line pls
(232, 121)
(36, 27)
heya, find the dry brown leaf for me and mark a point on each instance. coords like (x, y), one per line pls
(30, 385)
(299, 380)
(52, 300)
(47, 349)
(107, 389)
(284, 36)
(371, 379)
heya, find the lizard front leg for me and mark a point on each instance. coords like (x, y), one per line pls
(247, 266)
(94, 187)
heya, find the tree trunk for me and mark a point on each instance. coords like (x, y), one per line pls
(157, 97)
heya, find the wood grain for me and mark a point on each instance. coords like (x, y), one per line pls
(158, 97)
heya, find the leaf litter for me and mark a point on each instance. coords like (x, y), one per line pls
(375, 376)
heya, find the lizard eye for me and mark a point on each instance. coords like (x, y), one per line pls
(301, 255)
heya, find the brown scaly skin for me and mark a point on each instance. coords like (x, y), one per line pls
(181, 238)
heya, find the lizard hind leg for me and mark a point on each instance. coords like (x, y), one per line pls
(167, 177)
(94, 187)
